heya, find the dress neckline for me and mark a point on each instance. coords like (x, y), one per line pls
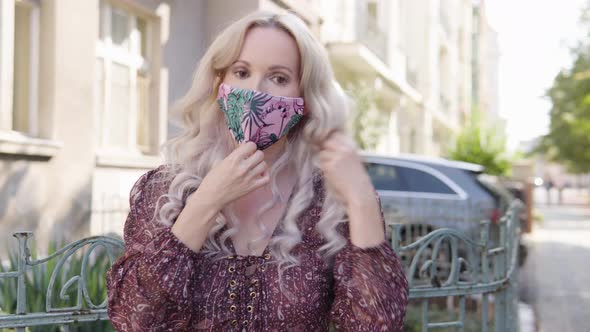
(266, 250)
(274, 232)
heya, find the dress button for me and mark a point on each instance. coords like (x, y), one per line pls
(267, 256)
(232, 295)
(232, 308)
(231, 269)
(253, 295)
(234, 322)
(232, 283)
(250, 308)
(245, 322)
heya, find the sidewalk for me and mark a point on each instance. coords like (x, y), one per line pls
(526, 318)
(570, 196)
(555, 279)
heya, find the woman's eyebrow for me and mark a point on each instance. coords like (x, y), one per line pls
(281, 67)
(243, 61)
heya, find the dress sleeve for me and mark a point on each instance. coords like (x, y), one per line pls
(150, 286)
(370, 288)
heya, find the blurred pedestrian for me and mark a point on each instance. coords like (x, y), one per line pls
(548, 187)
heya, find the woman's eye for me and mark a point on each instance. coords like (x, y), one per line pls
(280, 79)
(241, 73)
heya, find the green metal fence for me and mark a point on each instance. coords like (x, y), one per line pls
(442, 264)
(447, 263)
(84, 309)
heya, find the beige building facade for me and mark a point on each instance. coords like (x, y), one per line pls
(486, 60)
(416, 58)
(86, 87)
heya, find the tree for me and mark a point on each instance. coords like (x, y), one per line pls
(568, 140)
(368, 123)
(481, 145)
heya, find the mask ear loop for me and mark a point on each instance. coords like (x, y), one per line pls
(305, 112)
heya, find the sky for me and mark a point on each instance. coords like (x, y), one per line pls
(534, 41)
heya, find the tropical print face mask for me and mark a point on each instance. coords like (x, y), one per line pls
(257, 116)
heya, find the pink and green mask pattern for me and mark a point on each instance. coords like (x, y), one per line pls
(257, 116)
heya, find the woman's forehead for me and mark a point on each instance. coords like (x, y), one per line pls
(266, 47)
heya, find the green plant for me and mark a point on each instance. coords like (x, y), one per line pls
(413, 322)
(482, 144)
(37, 283)
(368, 124)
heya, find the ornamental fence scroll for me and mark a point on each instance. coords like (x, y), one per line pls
(84, 308)
(445, 263)
(442, 263)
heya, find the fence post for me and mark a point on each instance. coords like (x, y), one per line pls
(500, 266)
(512, 261)
(23, 256)
(485, 273)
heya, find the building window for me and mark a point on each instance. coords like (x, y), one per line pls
(413, 140)
(444, 78)
(20, 46)
(372, 16)
(373, 32)
(125, 85)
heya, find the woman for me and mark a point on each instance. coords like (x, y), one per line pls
(212, 241)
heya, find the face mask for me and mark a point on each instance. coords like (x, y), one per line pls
(258, 117)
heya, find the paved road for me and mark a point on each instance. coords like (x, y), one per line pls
(555, 279)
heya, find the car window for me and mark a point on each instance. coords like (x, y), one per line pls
(420, 181)
(385, 177)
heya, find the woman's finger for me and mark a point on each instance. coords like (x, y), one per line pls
(261, 181)
(340, 142)
(334, 143)
(258, 170)
(245, 150)
(253, 160)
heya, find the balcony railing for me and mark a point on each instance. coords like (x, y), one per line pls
(412, 77)
(376, 40)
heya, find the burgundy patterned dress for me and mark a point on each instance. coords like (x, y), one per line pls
(159, 284)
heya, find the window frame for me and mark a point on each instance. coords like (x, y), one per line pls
(460, 194)
(403, 171)
(400, 181)
(137, 64)
(8, 71)
(12, 142)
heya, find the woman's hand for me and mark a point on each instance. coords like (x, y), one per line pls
(345, 173)
(241, 172)
(343, 169)
(238, 174)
